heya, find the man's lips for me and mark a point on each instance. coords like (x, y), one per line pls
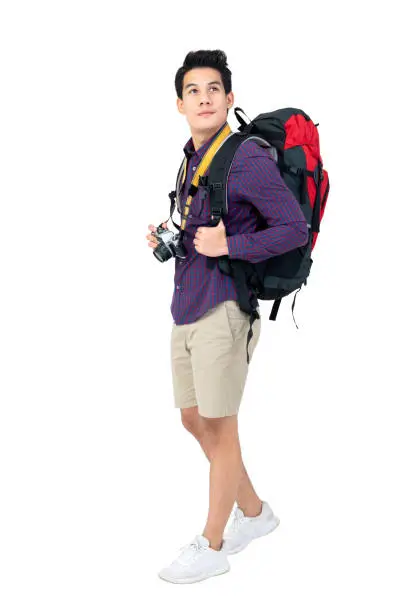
(206, 113)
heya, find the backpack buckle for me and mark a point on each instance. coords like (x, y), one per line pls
(217, 186)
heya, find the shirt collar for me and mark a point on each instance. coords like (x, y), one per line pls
(189, 149)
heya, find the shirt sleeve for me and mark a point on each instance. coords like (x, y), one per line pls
(259, 182)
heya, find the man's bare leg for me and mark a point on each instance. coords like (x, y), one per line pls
(225, 475)
(246, 497)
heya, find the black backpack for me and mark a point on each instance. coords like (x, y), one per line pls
(293, 141)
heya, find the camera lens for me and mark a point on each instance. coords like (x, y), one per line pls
(162, 253)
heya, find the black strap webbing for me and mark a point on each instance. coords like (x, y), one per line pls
(254, 315)
(316, 208)
(172, 196)
(277, 303)
(275, 308)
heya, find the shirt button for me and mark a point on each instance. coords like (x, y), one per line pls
(194, 168)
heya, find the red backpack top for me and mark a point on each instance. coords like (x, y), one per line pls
(296, 140)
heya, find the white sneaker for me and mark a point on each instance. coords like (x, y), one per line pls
(244, 529)
(197, 562)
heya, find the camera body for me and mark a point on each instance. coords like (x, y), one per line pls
(169, 245)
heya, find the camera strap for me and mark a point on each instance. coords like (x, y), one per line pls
(225, 133)
(174, 196)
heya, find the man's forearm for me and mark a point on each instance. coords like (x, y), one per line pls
(273, 241)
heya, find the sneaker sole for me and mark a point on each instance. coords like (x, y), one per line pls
(191, 579)
(238, 549)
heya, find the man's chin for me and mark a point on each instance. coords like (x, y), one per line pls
(209, 121)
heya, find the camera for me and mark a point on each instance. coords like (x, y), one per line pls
(169, 245)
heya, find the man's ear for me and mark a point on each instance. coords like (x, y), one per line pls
(230, 99)
(180, 106)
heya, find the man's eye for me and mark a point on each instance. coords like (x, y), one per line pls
(194, 89)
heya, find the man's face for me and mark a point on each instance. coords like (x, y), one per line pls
(203, 91)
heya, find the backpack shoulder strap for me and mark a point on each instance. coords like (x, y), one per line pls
(218, 176)
(220, 169)
(217, 183)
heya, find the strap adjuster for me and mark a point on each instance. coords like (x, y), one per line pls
(217, 186)
(316, 174)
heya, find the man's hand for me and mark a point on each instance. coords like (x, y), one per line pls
(211, 241)
(152, 239)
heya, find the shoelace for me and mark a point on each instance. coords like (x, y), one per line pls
(193, 545)
(190, 551)
(238, 519)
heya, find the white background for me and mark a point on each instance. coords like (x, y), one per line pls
(100, 484)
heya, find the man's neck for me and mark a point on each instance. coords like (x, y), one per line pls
(201, 137)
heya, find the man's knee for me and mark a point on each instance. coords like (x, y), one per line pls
(222, 428)
(191, 420)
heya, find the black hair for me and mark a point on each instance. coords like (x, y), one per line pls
(204, 59)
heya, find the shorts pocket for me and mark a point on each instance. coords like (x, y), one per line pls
(238, 321)
(234, 311)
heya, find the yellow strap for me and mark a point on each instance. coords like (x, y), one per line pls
(202, 168)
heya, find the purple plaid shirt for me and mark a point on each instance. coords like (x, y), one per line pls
(254, 181)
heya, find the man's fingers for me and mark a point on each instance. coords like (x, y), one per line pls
(153, 242)
(152, 239)
(153, 228)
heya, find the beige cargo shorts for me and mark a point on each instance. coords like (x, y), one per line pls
(209, 360)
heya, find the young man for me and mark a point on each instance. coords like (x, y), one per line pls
(209, 361)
